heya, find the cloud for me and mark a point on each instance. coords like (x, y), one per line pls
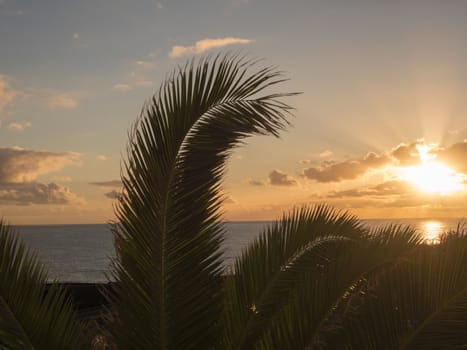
(19, 126)
(330, 171)
(454, 156)
(387, 188)
(325, 154)
(101, 157)
(403, 155)
(122, 87)
(113, 195)
(278, 178)
(19, 169)
(146, 64)
(205, 45)
(63, 178)
(62, 101)
(76, 36)
(37, 193)
(7, 94)
(407, 154)
(254, 182)
(110, 184)
(18, 165)
(229, 200)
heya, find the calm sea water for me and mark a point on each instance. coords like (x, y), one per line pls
(82, 253)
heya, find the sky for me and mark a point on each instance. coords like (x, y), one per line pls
(380, 128)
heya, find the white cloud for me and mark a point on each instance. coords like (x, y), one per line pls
(325, 154)
(19, 126)
(62, 101)
(205, 45)
(122, 87)
(7, 94)
(144, 83)
(146, 64)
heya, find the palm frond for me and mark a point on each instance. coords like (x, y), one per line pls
(418, 303)
(169, 233)
(315, 311)
(32, 317)
(278, 263)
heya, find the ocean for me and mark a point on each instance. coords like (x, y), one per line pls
(82, 253)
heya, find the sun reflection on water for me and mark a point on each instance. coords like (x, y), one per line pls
(432, 231)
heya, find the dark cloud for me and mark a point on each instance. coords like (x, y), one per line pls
(37, 193)
(111, 183)
(347, 170)
(278, 178)
(113, 195)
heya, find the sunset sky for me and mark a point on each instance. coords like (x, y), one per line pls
(380, 129)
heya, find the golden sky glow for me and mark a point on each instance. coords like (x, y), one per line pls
(380, 129)
(432, 176)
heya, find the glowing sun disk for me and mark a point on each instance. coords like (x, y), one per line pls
(433, 177)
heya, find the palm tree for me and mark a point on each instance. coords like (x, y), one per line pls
(32, 316)
(317, 278)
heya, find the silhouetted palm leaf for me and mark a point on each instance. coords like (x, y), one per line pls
(316, 306)
(169, 292)
(30, 316)
(421, 303)
(277, 264)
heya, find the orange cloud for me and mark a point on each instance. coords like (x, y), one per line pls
(205, 45)
(407, 154)
(37, 193)
(330, 171)
(19, 169)
(7, 94)
(18, 165)
(454, 156)
(388, 188)
(278, 178)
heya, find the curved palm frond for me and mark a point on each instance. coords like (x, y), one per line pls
(420, 304)
(169, 293)
(31, 316)
(277, 264)
(315, 312)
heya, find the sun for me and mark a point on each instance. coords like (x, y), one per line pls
(431, 176)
